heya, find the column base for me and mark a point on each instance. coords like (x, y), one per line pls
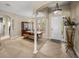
(35, 51)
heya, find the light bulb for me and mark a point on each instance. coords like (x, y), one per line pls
(57, 12)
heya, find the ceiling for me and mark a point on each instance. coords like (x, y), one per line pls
(21, 8)
(60, 3)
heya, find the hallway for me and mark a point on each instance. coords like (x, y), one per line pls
(24, 48)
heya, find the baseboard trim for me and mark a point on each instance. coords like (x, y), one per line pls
(58, 40)
(12, 38)
(5, 38)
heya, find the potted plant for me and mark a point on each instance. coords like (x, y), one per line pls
(69, 23)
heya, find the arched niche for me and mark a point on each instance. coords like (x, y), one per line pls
(5, 26)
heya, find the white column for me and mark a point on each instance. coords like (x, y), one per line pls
(11, 28)
(47, 26)
(35, 34)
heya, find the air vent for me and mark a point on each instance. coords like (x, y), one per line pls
(7, 4)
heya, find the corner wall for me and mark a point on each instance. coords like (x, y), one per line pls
(75, 16)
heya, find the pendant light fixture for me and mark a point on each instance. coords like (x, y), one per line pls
(57, 9)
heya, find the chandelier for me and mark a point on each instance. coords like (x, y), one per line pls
(57, 10)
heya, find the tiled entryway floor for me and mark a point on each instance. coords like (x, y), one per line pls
(54, 49)
(19, 48)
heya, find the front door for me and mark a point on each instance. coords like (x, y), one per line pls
(57, 27)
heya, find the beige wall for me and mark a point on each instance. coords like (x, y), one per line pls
(75, 15)
(17, 22)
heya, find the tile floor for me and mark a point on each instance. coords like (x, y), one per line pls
(20, 48)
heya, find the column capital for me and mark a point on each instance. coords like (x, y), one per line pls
(36, 12)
